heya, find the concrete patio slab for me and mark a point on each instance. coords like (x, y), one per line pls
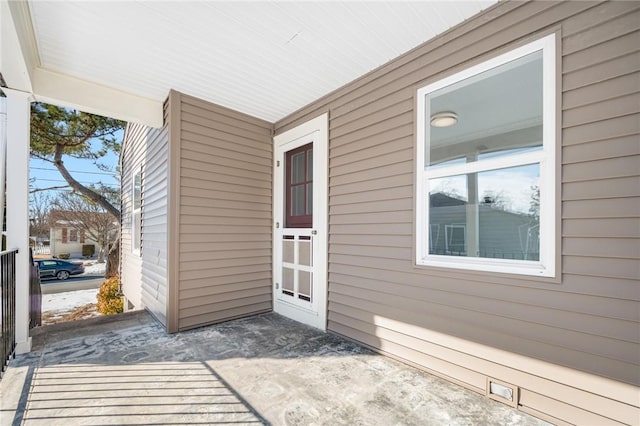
(260, 370)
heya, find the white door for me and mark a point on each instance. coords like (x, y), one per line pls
(300, 223)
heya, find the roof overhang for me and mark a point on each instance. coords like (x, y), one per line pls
(266, 59)
(21, 69)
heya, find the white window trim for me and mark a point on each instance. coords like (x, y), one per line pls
(546, 158)
(136, 235)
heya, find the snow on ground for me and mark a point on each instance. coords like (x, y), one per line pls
(68, 301)
(91, 267)
(69, 306)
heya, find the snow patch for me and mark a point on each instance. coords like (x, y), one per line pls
(91, 267)
(67, 301)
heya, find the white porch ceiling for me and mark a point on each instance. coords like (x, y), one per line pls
(266, 59)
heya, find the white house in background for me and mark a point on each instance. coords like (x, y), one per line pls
(67, 237)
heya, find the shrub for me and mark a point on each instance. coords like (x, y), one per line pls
(109, 298)
(88, 250)
(64, 256)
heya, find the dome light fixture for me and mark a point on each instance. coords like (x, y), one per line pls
(444, 119)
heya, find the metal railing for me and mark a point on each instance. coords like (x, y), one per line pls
(8, 280)
(35, 294)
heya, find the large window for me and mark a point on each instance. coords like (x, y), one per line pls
(136, 219)
(486, 165)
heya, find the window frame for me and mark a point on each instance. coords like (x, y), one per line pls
(546, 158)
(136, 232)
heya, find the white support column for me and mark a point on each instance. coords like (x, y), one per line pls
(18, 122)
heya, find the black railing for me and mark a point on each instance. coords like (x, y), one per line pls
(35, 294)
(8, 278)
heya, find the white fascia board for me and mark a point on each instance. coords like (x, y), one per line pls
(18, 51)
(64, 90)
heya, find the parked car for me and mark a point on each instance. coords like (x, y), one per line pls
(60, 269)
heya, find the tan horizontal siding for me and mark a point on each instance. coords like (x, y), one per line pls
(600, 91)
(220, 314)
(204, 284)
(580, 329)
(601, 149)
(588, 318)
(210, 291)
(225, 214)
(621, 187)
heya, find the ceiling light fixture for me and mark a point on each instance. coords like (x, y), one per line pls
(444, 119)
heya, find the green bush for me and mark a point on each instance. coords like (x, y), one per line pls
(64, 256)
(88, 250)
(109, 299)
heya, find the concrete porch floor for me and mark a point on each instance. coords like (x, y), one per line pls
(259, 370)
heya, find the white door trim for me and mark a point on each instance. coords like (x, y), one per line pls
(315, 130)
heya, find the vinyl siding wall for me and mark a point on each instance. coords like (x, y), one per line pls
(468, 326)
(224, 213)
(145, 276)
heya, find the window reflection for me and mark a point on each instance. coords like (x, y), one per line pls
(492, 214)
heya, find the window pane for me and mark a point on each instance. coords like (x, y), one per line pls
(297, 168)
(297, 200)
(499, 112)
(492, 214)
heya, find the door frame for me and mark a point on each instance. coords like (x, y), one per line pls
(315, 130)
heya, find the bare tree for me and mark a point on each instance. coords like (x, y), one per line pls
(497, 200)
(88, 218)
(39, 209)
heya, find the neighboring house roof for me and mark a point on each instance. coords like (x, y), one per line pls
(61, 218)
(440, 199)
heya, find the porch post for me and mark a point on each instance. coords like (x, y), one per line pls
(17, 178)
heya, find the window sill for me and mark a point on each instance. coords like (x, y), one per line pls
(486, 267)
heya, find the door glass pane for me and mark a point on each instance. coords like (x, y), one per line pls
(309, 198)
(297, 168)
(309, 165)
(493, 214)
(297, 200)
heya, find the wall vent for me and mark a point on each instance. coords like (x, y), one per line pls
(502, 392)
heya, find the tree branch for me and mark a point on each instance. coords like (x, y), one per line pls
(33, 154)
(92, 195)
(33, 191)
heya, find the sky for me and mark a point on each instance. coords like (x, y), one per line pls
(44, 174)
